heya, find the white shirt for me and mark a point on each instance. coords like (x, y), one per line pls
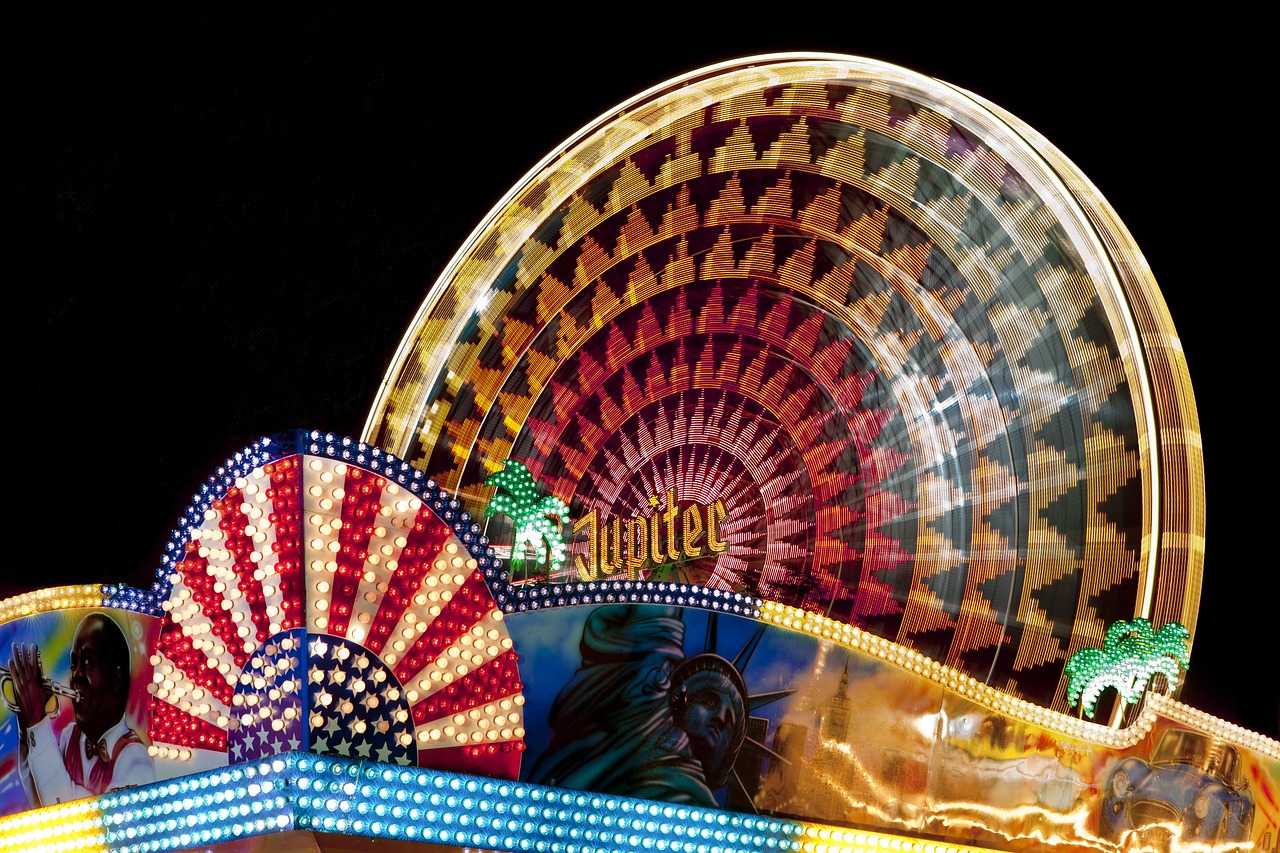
(45, 777)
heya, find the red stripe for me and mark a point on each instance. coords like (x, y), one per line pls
(285, 493)
(360, 504)
(494, 680)
(170, 724)
(467, 607)
(424, 542)
(233, 523)
(176, 646)
(494, 760)
(195, 576)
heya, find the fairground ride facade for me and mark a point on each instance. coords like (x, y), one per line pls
(800, 457)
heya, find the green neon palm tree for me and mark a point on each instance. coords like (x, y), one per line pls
(1131, 654)
(518, 498)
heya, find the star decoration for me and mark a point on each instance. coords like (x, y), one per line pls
(355, 712)
(268, 690)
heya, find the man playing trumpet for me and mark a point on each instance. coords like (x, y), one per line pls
(99, 752)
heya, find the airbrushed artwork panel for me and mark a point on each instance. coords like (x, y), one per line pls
(700, 708)
(710, 709)
(73, 679)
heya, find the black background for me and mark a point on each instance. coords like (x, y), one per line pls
(224, 219)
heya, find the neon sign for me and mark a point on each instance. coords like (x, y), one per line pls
(1131, 654)
(671, 534)
(633, 544)
(531, 513)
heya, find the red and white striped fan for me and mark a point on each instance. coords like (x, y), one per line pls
(321, 605)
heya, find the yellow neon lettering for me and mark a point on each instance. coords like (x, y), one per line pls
(715, 514)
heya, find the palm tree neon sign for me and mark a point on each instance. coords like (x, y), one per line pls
(671, 534)
(1131, 654)
(531, 513)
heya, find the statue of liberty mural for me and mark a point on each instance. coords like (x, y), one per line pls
(640, 718)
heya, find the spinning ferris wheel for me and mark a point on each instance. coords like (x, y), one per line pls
(893, 329)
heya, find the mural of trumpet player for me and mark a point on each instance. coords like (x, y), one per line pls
(98, 751)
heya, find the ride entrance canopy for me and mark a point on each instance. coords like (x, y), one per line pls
(827, 332)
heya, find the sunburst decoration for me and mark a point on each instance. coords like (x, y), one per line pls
(315, 593)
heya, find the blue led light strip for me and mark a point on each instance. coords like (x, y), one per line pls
(301, 791)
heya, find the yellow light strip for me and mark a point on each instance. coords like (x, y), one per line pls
(73, 826)
(1028, 712)
(53, 598)
(834, 840)
(1175, 710)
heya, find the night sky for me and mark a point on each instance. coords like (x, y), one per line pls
(224, 220)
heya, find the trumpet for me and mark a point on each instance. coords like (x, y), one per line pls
(54, 687)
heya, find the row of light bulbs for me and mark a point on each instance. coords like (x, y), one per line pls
(346, 797)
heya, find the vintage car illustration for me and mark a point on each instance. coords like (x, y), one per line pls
(1192, 791)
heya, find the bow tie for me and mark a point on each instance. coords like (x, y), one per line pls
(97, 748)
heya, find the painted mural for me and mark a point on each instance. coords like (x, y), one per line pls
(74, 722)
(709, 709)
(647, 699)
